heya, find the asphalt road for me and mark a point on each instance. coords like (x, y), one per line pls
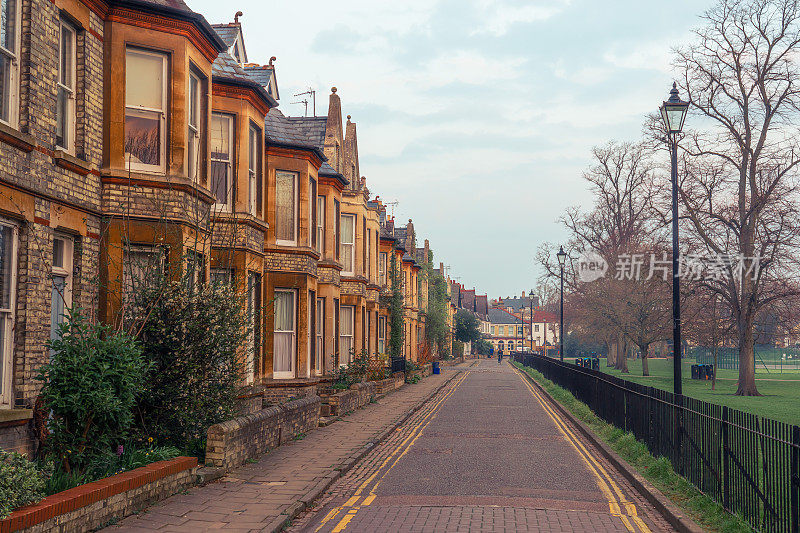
(484, 455)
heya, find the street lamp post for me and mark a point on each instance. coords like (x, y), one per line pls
(673, 111)
(562, 260)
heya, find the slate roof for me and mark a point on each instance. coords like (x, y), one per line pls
(500, 316)
(262, 74)
(177, 9)
(300, 132)
(517, 303)
(327, 170)
(227, 32)
(225, 67)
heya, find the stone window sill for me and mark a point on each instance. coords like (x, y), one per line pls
(70, 162)
(15, 415)
(16, 138)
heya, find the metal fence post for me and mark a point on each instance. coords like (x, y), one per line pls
(795, 476)
(726, 486)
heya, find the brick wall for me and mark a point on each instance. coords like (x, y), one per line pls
(279, 394)
(91, 506)
(232, 443)
(17, 437)
(355, 397)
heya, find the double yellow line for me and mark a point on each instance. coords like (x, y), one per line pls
(618, 505)
(352, 505)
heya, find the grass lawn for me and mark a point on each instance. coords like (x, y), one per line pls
(781, 391)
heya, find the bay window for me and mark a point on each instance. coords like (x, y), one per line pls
(382, 334)
(286, 207)
(321, 225)
(61, 291)
(193, 134)
(346, 331)
(337, 220)
(254, 315)
(254, 170)
(65, 102)
(222, 160)
(285, 340)
(382, 269)
(221, 277)
(145, 110)
(9, 60)
(319, 350)
(8, 297)
(142, 267)
(347, 243)
(312, 213)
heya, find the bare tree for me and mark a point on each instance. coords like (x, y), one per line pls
(742, 78)
(621, 222)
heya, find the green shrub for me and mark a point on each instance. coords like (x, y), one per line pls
(193, 338)
(90, 388)
(21, 482)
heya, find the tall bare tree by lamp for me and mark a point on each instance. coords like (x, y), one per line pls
(562, 260)
(673, 111)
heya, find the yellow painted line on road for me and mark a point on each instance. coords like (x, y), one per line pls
(603, 477)
(357, 495)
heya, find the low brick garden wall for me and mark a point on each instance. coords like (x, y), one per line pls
(96, 504)
(349, 400)
(233, 442)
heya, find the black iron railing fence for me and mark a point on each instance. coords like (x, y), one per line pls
(748, 463)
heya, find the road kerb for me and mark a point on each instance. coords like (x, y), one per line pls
(280, 523)
(662, 504)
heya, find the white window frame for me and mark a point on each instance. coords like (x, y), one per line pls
(217, 273)
(162, 114)
(69, 112)
(253, 314)
(382, 260)
(345, 355)
(7, 320)
(253, 167)
(229, 188)
(381, 334)
(12, 55)
(194, 126)
(312, 211)
(352, 245)
(128, 283)
(320, 223)
(320, 337)
(295, 208)
(287, 374)
(64, 270)
(367, 241)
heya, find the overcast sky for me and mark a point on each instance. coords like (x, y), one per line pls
(477, 116)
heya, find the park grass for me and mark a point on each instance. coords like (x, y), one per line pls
(781, 391)
(657, 470)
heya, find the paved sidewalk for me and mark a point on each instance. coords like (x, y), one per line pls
(262, 495)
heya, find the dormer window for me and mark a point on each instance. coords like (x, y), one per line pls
(236, 52)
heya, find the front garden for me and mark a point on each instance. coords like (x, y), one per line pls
(118, 398)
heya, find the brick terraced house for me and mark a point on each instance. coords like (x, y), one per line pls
(136, 137)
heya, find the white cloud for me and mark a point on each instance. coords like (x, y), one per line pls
(499, 15)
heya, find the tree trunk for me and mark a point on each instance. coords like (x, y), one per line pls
(611, 350)
(747, 360)
(714, 375)
(645, 366)
(622, 356)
